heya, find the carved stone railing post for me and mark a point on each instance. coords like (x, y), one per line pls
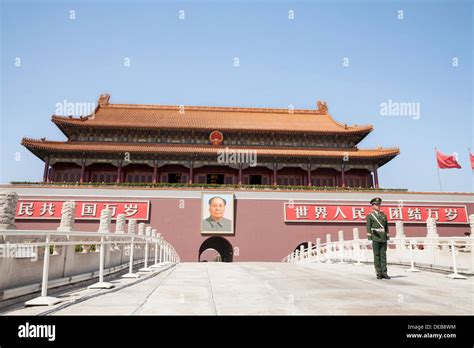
(432, 231)
(341, 246)
(399, 229)
(141, 229)
(318, 250)
(162, 251)
(132, 226)
(132, 229)
(328, 248)
(141, 232)
(156, 237)
(355, 233)
(119, 228)
(148, 232)
(105, 220)
(104, 227)
(120, 224)
(68, 212)
(310, 251)
(8, 203)
(400, 245)
(432, 239)
(356, 238)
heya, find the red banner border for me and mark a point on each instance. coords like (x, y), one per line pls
(82, 200)
(368, 205)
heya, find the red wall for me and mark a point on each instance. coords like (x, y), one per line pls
(260, 232)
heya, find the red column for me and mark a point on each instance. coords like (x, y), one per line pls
(119, 171)
(343, 180)
(50, 174)
(240, 174)
(191, 172)
(274, 174)
(46, 169)
(309, 174)
(155, 171)
(83, 169)
(376, 177)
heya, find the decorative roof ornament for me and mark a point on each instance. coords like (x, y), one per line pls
(104, 99)
(322, 107)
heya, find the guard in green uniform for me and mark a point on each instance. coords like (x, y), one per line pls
(377, 232)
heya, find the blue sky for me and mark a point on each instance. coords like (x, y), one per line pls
(282, 62)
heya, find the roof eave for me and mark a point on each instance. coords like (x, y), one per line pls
(364, 135)
(380, 160)
(387, 159)
(37, 152)
(61, 122)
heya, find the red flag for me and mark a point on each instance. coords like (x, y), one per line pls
(446, 162)
(471, 156)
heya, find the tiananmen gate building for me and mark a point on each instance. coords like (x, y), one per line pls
(180, 144)
(309, 180)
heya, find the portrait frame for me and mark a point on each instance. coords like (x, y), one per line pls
(228, 213)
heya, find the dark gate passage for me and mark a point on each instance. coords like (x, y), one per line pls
(221, 245)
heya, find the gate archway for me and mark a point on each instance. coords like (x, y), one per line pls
(221, 245)
(304, 244)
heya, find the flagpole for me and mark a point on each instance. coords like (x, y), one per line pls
(437, 166)
(439, 178)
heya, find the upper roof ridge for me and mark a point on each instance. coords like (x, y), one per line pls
(321, 110)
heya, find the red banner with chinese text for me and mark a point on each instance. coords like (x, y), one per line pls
(85, 210)
(316, 212)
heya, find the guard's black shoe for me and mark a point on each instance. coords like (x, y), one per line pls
(379, 276)
(385, 276)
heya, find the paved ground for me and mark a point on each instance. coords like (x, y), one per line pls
(278, 288)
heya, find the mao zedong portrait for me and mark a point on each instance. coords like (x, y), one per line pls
(216, 220)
